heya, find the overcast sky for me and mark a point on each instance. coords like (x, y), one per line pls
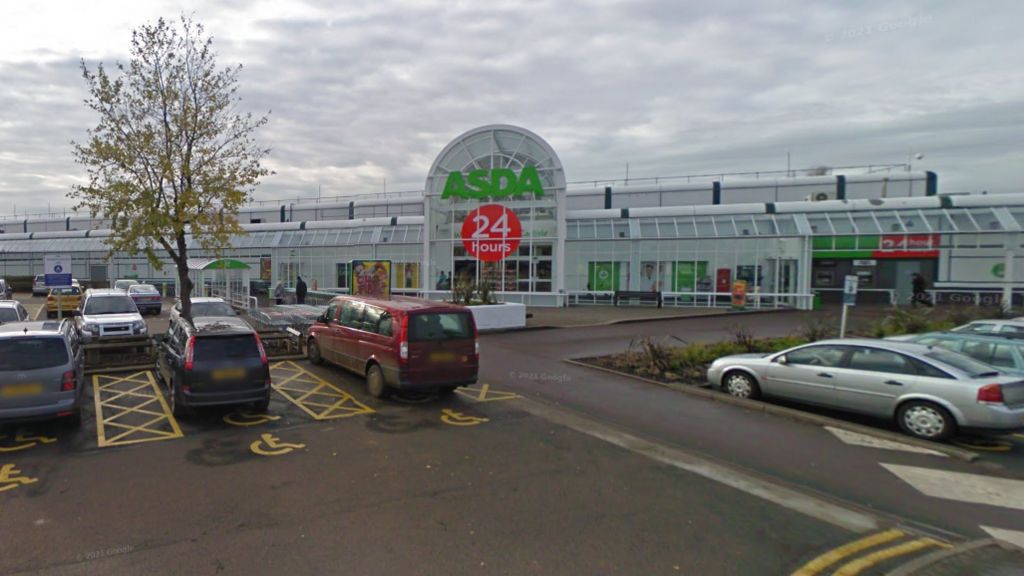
(364, 93)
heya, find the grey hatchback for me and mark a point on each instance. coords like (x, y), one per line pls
(41, 372)
(213, 361)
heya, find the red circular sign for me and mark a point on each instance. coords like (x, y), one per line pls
(491, 233)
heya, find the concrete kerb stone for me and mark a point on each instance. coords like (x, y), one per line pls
(652, 319)
(793, 414)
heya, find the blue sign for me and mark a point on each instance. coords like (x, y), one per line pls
(57, 269)
(58, 279)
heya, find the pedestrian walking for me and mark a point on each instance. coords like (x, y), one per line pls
(300, 290)
(279, 293)
(920, 295)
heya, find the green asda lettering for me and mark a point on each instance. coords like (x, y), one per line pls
(493, 183)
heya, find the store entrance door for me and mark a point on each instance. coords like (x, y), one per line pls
(788, 281)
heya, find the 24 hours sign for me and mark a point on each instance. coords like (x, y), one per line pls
(491, 233)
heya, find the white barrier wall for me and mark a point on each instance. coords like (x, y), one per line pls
(499, 316)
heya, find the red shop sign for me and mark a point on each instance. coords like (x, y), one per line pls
(491, 233)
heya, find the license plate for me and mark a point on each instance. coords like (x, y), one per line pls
(228, 373)
(442, 356)
(22, 390)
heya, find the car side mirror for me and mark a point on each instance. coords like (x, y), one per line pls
(782, 360)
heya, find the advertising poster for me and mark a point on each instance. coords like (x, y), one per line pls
(371, 278)
(266, 269)
(603, 276)
(407, 275)
(739, 294)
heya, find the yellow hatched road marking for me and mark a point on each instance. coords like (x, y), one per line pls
(857, 566)
(485, 394)
(110, 432)
(340, 404)
(831, 557)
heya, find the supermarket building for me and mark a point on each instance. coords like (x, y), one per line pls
(496, 206)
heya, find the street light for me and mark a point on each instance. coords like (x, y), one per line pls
(910, 157)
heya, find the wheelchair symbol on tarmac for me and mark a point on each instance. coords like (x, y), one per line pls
(10, 478)
(248, 419)
(270, 445)
(25, 441)
(449, 416)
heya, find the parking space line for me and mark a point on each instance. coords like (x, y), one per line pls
(140, 387)
(832, 556)
(859, 565)
(315, 396)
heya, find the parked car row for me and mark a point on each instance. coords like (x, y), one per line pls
(932, 384)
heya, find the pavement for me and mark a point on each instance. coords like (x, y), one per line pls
(544, 467)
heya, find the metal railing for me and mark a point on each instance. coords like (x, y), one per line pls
(755, 300)
(791, 173)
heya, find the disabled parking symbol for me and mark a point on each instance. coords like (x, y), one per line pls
(270, 445)
(11, 478)
(24, 441)
(248, 419)
(449, 416)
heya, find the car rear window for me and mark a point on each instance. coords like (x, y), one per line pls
(110, 305)
(8, 315)
(142, 288)
(32, 353)
(212, 309)
(220, 347)
(427, 326)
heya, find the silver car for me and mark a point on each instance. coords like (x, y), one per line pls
(930, 391)
(41, 372)
(204, 306)
(108, 313)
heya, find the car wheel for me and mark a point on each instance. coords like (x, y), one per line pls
(375, 382)
(177, 406)
(51, 314)
(446, 391)
(926, 420)
(313, 351)
(740, 385)
(262, 406)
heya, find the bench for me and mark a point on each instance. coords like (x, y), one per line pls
(630, 295)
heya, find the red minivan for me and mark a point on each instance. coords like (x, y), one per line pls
(398, 344)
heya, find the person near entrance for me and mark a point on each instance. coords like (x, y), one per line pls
(919, 286)
(279, 293)
(300, 290)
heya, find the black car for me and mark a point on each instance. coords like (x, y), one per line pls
(213, 361)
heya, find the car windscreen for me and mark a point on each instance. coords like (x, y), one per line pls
(961, 362)
(72, 291)
(428, 326)
(212, 309)
(225, 347)
(33, 353)
(110, 305)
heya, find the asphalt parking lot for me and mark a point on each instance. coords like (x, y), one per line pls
(480, 482)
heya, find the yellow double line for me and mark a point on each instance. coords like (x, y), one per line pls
(858, 565)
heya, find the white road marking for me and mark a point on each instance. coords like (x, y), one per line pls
(858, 439)
(972, 488)
(1015, 537)
(800, 502)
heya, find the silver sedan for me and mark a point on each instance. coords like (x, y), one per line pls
(930, 391)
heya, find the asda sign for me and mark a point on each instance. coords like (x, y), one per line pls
(494, 183)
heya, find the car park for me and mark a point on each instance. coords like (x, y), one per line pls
(930, 391)
(398, 344)
(108, 313)
(41, 372)
(146, 297)
(63, 301)
(1002, 351)
(124, 284)
(213, 361)
(204, 306)
(12, 311)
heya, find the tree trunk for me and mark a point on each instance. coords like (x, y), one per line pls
(183, 278)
